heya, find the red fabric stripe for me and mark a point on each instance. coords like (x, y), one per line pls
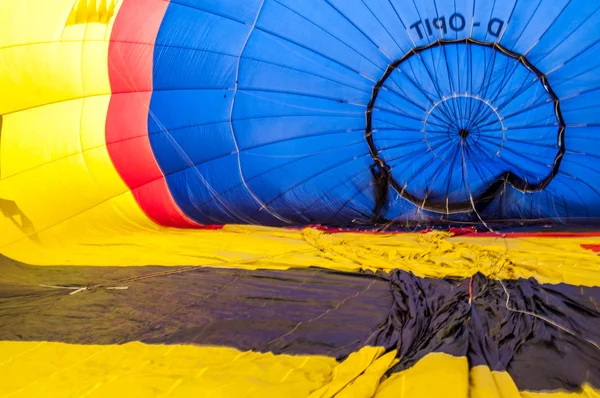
(130, 59)
(593, 247)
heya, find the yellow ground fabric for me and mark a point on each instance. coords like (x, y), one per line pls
(62, 202)
(139, 370)
(131, 242)
(436, 375)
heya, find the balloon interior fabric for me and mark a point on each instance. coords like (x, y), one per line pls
(322, 198)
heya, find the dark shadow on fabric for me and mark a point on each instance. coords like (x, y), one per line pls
(10, 210)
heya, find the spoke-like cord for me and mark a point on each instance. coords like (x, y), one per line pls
(445, 111)
(331, 35)
(358, 29)
(429, 73)
(505, 78)
(383, 26)
(466, 183)
(497, 73)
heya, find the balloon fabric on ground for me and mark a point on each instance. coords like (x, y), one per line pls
(299, 198)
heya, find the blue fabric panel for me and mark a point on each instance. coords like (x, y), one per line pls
(259, 110)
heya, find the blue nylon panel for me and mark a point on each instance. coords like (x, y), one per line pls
(259, 110)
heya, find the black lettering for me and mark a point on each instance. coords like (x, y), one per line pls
(428, 26)
(495, 27)
(417, 28)
(440, 23)
(454, 18)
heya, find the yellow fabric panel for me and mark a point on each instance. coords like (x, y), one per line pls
(138, 370)
(488, 384)
(359, 375)
(46, 64)
(83, 240)
(44, 369)
(436, 375)
(442, 375)
(84, 11)
(54, 165)
(367, 383)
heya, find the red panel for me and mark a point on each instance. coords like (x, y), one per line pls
(593, 247)
(130, 61)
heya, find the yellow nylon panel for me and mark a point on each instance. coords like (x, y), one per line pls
(44, 369)
(359, 375)
(83, 239)
(436, 375)
(488, 384)
(91, 11)
(45, 65)
(138, 370)
(367, 383)
(442, 375)
(54, 166)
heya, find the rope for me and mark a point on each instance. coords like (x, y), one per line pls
(543, 318)
(78, 289)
